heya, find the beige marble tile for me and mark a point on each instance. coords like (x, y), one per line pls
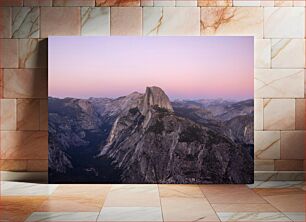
(186, 3)
(262, 53)
(278, 22)
(13, 165)
(12, 186)
(28, 114)
(126, 21)
(18, 208)
(25, 22)
(1, 83)
(118, 3)
(43, 114)
(51, 17)
(25, 83)
(5, 22)
(92, 191)
(37, 165)
(284, 50)
(133, 196)
(8, 53)
(5, 3)
(276, 184)
(286, 200)
(230, 194)
(279, 3)
(187, 209)
(295, 216)
(264, 165)
(279, 83)
(232, 20)
(130, 214)
(163, 3)
(267, 145)
(37, 2)
(95, 21)
(32, 53)
(279, 114)
(278, 191)
(300, 114)
(299, 3)
(263, 207)
(305, 83)
(71, 204)
(63, 216)
(292, 145)
(258, 114)
(282, 176)
(180, 191)
(23, 144)
(73, 2)
(146, 2)
(8, 114)
(171, 21)
(246, 3)
(289, 165)
(207, 3)
(267, 3)
(253, 216)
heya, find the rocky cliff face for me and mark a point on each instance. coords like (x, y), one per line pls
(150, 144)
(240, 129)
(144, 138)
(230, 118)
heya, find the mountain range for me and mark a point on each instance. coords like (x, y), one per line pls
(146, 138)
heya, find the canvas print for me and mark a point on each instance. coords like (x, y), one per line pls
(170, 110)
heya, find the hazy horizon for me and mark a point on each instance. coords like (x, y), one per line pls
(188, 68)
(171, 99)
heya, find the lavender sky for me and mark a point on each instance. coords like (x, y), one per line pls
(184, 67)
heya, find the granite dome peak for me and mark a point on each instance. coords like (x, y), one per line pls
(155, 96)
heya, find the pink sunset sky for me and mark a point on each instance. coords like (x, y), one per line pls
(184, 67)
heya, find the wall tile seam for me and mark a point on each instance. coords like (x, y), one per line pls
(197, 5)
(115, 6)
(142, 18)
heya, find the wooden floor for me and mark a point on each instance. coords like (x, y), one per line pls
(266, 201)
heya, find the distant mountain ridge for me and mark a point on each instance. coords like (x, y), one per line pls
(146, 138)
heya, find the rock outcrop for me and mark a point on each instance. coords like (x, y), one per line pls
(141, 138)
(150, 144)
(154, 96)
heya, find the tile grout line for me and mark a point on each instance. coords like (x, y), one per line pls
(161, 209)
(104, 202)
(267, 202)
(278, 210)
(209, 203)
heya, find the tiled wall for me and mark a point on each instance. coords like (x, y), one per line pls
(278, 26)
